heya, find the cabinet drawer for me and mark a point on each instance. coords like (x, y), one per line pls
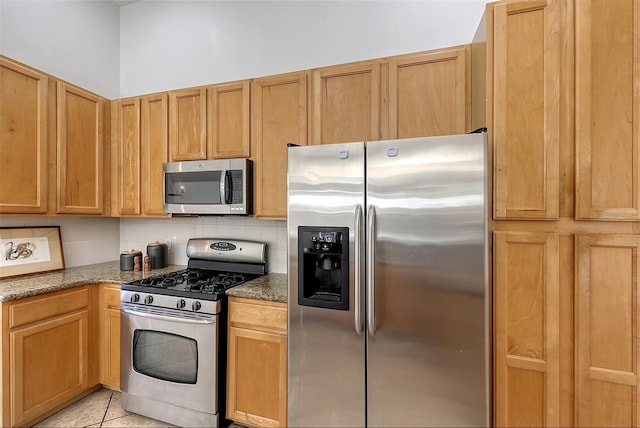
(110, 297)
(38, 308)
(258, 314)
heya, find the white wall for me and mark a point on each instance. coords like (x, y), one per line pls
(176, 44)
(84, 240)
(77, 41)
(137, 233)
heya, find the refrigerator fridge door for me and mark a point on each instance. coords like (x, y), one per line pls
(427, 332)
(326, 364)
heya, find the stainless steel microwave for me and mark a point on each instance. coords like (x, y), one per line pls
(220, 186)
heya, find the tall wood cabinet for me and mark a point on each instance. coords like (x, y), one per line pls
(24, 136)
(128, 148)
(109, 334)
(562, 107)
(154, 151)
(278, 117)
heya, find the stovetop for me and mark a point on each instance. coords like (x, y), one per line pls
(195, 283)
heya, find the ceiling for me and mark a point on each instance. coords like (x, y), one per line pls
(124, 2)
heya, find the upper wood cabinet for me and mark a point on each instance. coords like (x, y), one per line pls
(526, 95)
(606, 316)
(23, 137)
(154, 151)
(526, 306)
(345, 103)
(607, 106)
(80, 151)
(188, 124)
(278, 117)
(428, 94)
(128, 165)
(228, 120)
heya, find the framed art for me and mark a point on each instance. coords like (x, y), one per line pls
(30, 250)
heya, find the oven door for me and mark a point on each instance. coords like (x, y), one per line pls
(170, 358)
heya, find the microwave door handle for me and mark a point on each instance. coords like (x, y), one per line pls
(223, 186)
(228, 187)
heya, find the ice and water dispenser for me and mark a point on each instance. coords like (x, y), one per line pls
(323, 267)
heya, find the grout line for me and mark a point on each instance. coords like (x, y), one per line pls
(107, 409)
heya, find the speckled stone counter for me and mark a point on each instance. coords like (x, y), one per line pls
(21, 287)
(272, 287)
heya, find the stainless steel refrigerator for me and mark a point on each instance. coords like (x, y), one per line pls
(388, 295)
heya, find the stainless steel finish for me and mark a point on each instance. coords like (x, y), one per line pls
(427, 363)
(160, 301)
(223, 178)
(357, 282)
(371, 271)
(326, 375)
(186, 404)
(424, 361)
(166, 315)
(222, 165)
(245, 251)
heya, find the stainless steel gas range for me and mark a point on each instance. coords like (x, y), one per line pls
(173, 333)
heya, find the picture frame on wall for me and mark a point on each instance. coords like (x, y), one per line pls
(30, 250)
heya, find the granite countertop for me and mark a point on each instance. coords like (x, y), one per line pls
(272, 287)
(26, 286)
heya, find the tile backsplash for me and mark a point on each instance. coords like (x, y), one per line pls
(88, 240)
(136, 233)
(85, 240)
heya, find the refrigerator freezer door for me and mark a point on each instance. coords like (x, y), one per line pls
(427, 350)
(326, 364)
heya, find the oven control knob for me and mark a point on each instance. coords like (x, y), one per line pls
(135, 298)
(148, 300)
(181, 304)
(196, 306)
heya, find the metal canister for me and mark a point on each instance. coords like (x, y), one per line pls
(127, 257)
(159, 253)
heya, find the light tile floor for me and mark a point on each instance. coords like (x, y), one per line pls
(100, 409)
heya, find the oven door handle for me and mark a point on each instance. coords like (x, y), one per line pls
(167, 318)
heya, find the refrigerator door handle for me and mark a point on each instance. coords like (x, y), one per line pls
(357, 270)
(371, 271)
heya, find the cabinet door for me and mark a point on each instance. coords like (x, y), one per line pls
(607, 109)
(346, 103)
(278, 117)
(188, 124)
(429, 94)
(109, 335)
(155, 151)
(257, 377)
(228, 124)
(526, 98)
(23, 133)
(129, 157)
(49, 361)
(527, 387)
(607, 354)
(80, 151)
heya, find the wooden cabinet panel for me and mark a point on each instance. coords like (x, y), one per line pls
(526, 97)
(257, 363)
(188, 124)
(129, 157)
(346, 103)
(228, 124)
(28, 311)
(278, 117)
(607, 109)
(429, 93)
(109, 343)
(606, 327)
(80, 151)
(155, 151)
(526, 328)
(23, 133)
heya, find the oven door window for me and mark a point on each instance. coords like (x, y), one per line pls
(165, 356)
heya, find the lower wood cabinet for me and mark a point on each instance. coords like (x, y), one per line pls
(109, 335)
(257, 363)
(45, 354)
